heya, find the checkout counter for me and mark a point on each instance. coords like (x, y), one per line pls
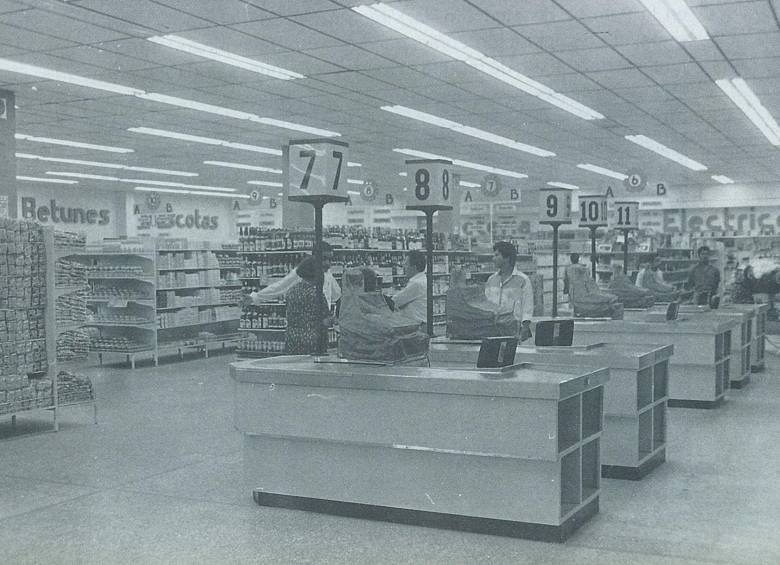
(633, 442)
(512, 451)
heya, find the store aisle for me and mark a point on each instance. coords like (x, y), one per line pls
(159, 480)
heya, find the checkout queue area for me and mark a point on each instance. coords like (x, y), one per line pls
(329, 281)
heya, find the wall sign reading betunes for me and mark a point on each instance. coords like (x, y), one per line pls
(61, 214)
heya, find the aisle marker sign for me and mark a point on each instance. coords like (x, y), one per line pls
(635, 181)
(491, 186)
(317, 167)
(593, 211)
(555, 205)
(431, 181)
(625, 215)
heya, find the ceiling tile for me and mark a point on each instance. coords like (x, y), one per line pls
(355, 81)
(287, 33)
(59, 26)
(222, 12)
(758, 68)
(558, 36)
(704, 50)
(694, 90)
(231, 40)
(406, 52)
(676, 74)
(300, 63)
(351, 57)
(454, 72)
(347, 25)
(148, 51)
(496, 42)
(532, 12)
(643, 94)
(288, 8)
(571, 82)
(28, 40)
(536, 64)
(661, 53)
(624, 29)
(175, 77)
(595, 8)
(399, 76)
(145, 13)
(598, 59)
(736, 19)
(623, 78)
(718, 69)
(93, 55)
(446, 15)
(750, 46)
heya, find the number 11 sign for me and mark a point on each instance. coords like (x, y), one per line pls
(317, 167)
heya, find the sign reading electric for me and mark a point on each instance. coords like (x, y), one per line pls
(721, 219)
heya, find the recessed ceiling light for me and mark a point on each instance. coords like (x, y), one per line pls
(664, 151)
(69, 143)
(747, 101)
(264, 183)
(563, 185)
(722, 179)
(353, 164)
(677, 18)
(105, 165)
(467, 130)
(82, 176)
(464, 164)
(191, 192)
(39, 179)
(400, 22)
(402, 174)
(57, 76)
(205, 140)
(354, 192)
(602, 171)
(208, 52)
(354, 181)
(243, 166)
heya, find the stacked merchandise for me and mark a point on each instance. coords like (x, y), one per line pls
(179, 279)
(228, 261)
(255, 239)
(22, 318)
(74, 389)
(202, 297)
(70, 273)
(115, 271)
(72, 308)
(109, 292)
(193, 316)
(64, 240)
(72, 344)
(115, 343)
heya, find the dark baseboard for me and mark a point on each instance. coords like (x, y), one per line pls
(633, 473)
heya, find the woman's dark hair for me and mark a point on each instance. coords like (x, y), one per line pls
(702, 249)
(417, 260)
(370, 280)
(307, 270)
(574, 258)
(506, 250)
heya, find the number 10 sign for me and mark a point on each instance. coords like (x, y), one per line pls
(317, 167)
(430, 181)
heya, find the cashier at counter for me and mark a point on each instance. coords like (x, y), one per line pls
(510, 288)
(412, 300)
(703, 278)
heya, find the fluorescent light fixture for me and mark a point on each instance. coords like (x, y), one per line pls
(82, 176)
(602, 171)
(464, 164)
(49, 74)
(722, 179)
(208, 52)
(467, 130)
(105, 165)
(281, 194)
(69, 143)
(403, 174)
(353, 164)
(563, 185)
(398, 21)
(191, 192)
(664, 151)
(141, 181)
(265, 183)
(39, 179)
(199, 106)
(205, 140)
(354, 192)
(243, 166)
(677, 18)
(354, 181)
(470, 184)
(295, 127)
(746, 100)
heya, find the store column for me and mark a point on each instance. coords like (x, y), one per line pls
(8, 204)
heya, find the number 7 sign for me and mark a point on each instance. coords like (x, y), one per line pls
(316, 167)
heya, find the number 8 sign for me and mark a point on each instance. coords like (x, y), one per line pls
(431, 181)
(316, 167)
(555, 206)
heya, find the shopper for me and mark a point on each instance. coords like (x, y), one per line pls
(658, 270)
(412, 300)
(307, 312)
(744, 283)
(510, 288)
(330, 288)
(703, 278)
(574, 259)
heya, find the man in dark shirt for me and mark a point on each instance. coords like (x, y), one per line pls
(703, 278)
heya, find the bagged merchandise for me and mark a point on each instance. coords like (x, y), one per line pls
(628, 293)
(587, 299)
(472, 316)
(370, 330)
(662, 292)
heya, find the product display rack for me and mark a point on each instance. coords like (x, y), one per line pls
(71, 291)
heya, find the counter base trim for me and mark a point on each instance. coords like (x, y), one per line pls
(758, 368)
(741, 383)
(473, 524)
(627, 473)
(701, 404)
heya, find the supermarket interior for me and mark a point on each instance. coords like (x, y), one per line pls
(416, 281)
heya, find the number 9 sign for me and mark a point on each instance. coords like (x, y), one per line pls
(554, 206)
(316, 168)
(593, 211)
(625, 215)
(431, 181)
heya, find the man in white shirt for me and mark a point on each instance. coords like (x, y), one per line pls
(330, 288)
(510, 288)
(412, 300)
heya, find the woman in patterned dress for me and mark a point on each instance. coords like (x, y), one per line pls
(307, 314)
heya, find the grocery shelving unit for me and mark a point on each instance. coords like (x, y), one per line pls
(71, 290)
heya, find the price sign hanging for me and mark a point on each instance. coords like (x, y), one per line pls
(625, 215)
(555, 205)
(593, 211)
(430, 181)
(317, 168)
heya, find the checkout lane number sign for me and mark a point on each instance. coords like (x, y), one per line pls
(317, 168)
(431, 181)
(625, 214)
(555, 206)
(593, 211)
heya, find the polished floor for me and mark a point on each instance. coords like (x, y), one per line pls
(159, 480)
